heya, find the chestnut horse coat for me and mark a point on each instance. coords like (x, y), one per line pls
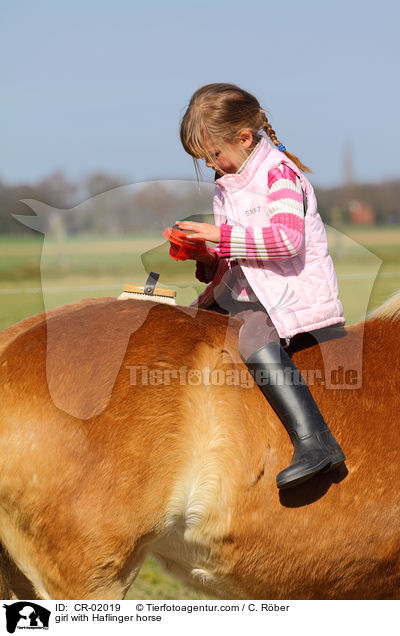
(186, 469)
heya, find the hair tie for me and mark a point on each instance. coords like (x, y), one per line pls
(281, 147)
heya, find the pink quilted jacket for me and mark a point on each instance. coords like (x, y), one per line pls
(300, 293)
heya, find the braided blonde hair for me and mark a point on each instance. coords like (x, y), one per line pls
(219, 112)
(266, 126)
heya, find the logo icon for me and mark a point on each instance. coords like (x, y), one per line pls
(26, 615)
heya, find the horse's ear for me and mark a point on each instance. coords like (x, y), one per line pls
(39, 222)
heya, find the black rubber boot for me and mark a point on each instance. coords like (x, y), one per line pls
(315, 448)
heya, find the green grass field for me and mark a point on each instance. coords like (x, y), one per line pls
(34, 277)
(367, 262)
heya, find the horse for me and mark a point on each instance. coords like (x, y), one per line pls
(182, 465)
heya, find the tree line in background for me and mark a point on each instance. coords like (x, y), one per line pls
(156, 204)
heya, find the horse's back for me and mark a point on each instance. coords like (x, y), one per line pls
(130, 468)
(183, 462)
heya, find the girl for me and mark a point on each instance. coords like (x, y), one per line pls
(274, 255)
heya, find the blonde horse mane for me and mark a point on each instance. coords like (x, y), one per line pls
(389, 310)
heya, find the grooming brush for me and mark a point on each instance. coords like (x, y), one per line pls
(149, 292)
(182, 246)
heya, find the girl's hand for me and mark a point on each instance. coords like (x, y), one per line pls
(201, 230)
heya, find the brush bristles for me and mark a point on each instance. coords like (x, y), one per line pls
(154, 299)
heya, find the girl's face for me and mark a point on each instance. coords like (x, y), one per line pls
(228, 157)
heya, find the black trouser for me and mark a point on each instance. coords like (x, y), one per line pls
(258, 329)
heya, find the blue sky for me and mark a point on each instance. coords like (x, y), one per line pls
(101, 86)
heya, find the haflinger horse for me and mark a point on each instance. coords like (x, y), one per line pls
(186, 470)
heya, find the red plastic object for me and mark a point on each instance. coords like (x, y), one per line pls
(181, 246)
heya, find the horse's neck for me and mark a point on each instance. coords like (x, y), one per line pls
(10, 333)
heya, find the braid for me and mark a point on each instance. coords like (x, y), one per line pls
(266, 126)
(270, 132)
